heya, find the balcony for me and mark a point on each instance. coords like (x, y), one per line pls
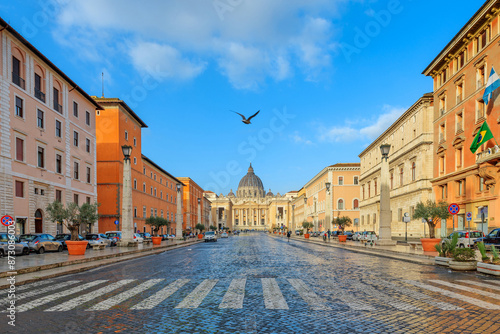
(18, 80)
(58, 107)
(40, 95)
(488, 154)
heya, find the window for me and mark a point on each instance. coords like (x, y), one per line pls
(38, 88)
(161, 194)
(144, 211)
(88, 174)
(87, 199)
(480, 75)
(76, 169)
(151, 190)
(152, 212)
(135, 161)
(87, 145)
(441, 164)
(57, 107)
(155, 192)
(144, 187)
(461, 187)
(126, 135)
(155, 177)
(135, 212)
(340, 204)
(413, 171)
(401, 176)
(75, 138)
(481, 184)
(135, 141)
(369, 190)
(75, 198)
(41, 157)
(19, 107)
(480, 109)
(135, 183)
(363, 190)
(392, 180)
(16, 73)
(442, 132)
(460, 91)
(459, 156)
(442, 105)
(75, 109)
(444, 191)
(19, 189)
(459, 122)
(356, 180)
(58, 195)
(144, 170)
(40, 118)
(58, 129)
(58, 164)
(87, 118)
(19, 149)
(341, 180)
(355, 204)
(461, 59)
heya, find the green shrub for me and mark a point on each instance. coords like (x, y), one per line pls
(482, 250)
(439, 249)
(464, 254)
(494, 253)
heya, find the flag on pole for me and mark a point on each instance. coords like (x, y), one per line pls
(484, 134)
(492, 85)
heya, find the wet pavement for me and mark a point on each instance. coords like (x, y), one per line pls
(259, 284)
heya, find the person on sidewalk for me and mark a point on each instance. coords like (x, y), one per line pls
(288, 234)
(329, 233)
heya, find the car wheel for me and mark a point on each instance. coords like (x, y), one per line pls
(461, 246)
(60, 249)
(26, 251)
(88, 245)
(41, 250)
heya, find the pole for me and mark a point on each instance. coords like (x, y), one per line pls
(406, 231)
(453, 218)
(468, 226)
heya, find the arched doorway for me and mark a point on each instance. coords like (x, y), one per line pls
(38, 221)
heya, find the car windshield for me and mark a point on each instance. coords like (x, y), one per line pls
(63, 237)
(209, 233)
(112, 234)
(28, 237)
(91, 236)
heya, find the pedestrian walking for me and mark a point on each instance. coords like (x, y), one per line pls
(329, 233)
(288, 235)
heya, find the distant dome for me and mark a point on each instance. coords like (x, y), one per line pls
(250, 185)
(269, 193)
(231, 194)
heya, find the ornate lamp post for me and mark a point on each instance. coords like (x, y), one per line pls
(178, 215)
(199, 211)
(305, 206)
(385, 200)
(328, 219)
(127, 218)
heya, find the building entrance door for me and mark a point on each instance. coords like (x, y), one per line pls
(461, 220)
(38, 221)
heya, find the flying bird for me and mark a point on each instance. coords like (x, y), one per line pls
(246, 120)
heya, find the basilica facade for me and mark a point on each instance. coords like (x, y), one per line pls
(251, 207)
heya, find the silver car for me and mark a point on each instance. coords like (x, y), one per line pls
(41, 242)
(20, 248)
(96, 240)
(210, 236)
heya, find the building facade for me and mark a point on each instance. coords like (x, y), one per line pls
(47, 137)
(460, 73)
(298, 206)
(410, 170)
(332, 193)
(192, 204)
(154, 190)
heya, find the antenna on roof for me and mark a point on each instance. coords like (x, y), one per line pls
(102, 75)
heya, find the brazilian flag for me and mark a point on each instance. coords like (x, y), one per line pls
(482, 137)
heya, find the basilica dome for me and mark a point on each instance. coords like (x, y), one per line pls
(250, 186)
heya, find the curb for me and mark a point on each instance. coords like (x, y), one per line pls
(424, 259)
(110, 259)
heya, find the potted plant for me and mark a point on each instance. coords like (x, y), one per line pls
(464, 259)
(213, 228)
(156, 223)
(431, 212)
(486, 266)
(445, 250)
(307, 225)
(73, 216)
(200, 227)
(342, 222)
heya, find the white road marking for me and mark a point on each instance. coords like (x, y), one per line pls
(451, 294)
(40, 291)
(465, 288)
(308, 295)
(235, 294)
(50, 298)
(160, 296)
(487, 286)
(495, 282)
(32, 285)
(115, 300)
(420, 296)
(194, 299)
(71, 304)
(349, 299)
(273, 298)
(400, 305)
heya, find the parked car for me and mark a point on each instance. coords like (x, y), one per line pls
(41, 242)
(465, 238)
(164, 237)
(116, 235)
(368, 236)
(145, 236)
(356, 235)
(20, 248)
(297, 232)
(492, 238)
(96, 240)
(138, 238)
(224, 235)
(63, 237)
(210, 236)
(349, 235)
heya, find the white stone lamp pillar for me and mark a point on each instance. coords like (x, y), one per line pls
(328, 219)
(385, 238)
(178, 215)
(199, 210)
(127, 218)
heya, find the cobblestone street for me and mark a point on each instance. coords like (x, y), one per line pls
(255, 283)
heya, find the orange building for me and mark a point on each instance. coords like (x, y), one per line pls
(192, 195)
(460, 72)
(153, 189)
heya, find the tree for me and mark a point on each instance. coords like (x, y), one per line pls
(157, 223)
(342, 222)
(432, 213)
(213, 228)
(73, 216)
(200, 227)
(307, 225)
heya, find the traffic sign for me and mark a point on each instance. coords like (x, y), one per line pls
(454, 208)
(406, 219)
(7, 220)
(117, 222)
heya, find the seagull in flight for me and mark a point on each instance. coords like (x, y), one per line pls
(246, 120)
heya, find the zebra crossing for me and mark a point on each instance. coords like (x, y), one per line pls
(101, 295)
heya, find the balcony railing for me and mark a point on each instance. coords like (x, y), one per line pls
(459, 127)
(18, 80)
(488, 154)
(58, 107)
(40, 95)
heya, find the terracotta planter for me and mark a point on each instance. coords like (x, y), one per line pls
(463, 266)
(342, 238)
(306, 235)
(76, 247)
(156, 240)
(442, 261)
(200, 236)
(428, 244)
(488, 268)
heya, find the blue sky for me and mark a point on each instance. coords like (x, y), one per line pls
(328, 75)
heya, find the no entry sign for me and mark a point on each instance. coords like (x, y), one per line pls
(7, 220)
(454, 208)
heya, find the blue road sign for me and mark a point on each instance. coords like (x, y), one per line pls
(117, 222)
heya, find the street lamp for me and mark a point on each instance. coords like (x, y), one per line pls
(385, 238)
(127, 218)
(178, 217)
(328, 219)
(199, 210)
(327, 185)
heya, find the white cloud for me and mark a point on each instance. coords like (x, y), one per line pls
(390, 115)
(297, 138)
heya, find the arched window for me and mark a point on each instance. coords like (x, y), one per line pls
(355, 204)
(375, 185)
(392, 180)
(413, 171)
(401, 176)
(340, 204)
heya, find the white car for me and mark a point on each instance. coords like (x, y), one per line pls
(368, 236)
(465, 238)
(356, 236)
(210, 236)
(138, 238)
(224, 235)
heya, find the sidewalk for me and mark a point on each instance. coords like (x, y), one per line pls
(35, 267)
(398, 252)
